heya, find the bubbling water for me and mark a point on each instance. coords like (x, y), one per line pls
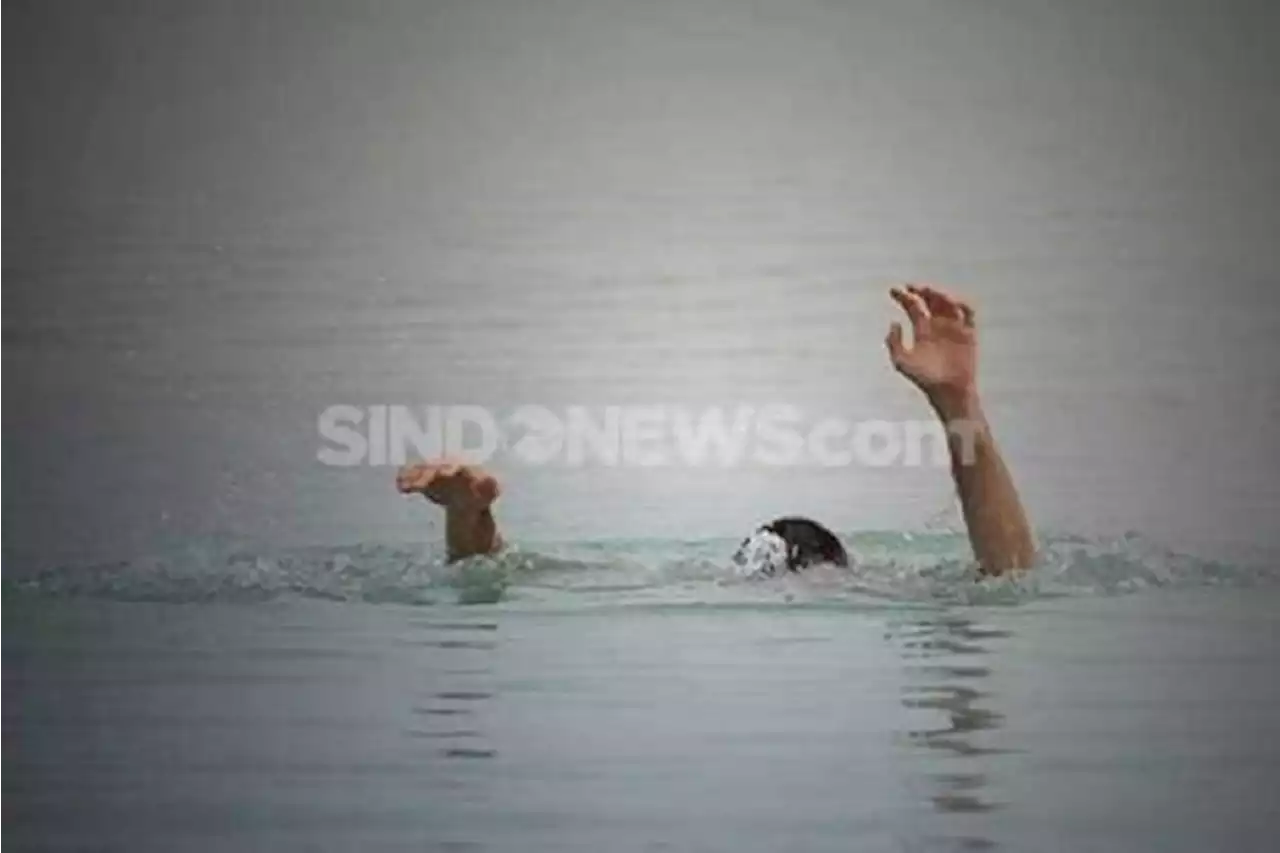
(887, 567)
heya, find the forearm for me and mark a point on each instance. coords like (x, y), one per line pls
(998, 529)
(471, 532)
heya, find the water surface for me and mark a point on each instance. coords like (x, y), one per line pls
(223, 218)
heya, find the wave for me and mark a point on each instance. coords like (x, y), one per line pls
(889, 567)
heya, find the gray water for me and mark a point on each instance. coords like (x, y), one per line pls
(224, 218)
(1136, 723)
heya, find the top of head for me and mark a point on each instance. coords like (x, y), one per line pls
(789, 544)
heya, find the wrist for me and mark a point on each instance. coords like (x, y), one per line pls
(955, 403)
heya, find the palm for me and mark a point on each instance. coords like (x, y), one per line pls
(944, 349)
(942, 355)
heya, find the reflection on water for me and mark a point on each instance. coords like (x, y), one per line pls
(946, 675)
(457, 652)
(161, 727)
(455, 644)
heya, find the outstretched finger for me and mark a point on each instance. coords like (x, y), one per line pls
(941, 303)
(410, 478)
(893, 340)
(916, 309)
(439, 470)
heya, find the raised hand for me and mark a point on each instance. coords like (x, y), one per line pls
(450, 484)
(943, 361)
(943, 356)
(467, 493)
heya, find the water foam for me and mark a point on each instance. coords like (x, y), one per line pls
(889, 566)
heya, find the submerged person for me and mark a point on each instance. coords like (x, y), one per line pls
(941, 361)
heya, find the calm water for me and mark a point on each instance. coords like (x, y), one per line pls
(230, 217)
(1136, 723)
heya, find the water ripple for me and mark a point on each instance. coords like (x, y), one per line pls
(890, 568)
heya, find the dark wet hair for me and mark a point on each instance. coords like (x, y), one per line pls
(808, 542)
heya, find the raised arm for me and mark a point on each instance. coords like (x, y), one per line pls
(943, 362)
(467, 494)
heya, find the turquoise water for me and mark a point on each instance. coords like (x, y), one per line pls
(924, 567)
